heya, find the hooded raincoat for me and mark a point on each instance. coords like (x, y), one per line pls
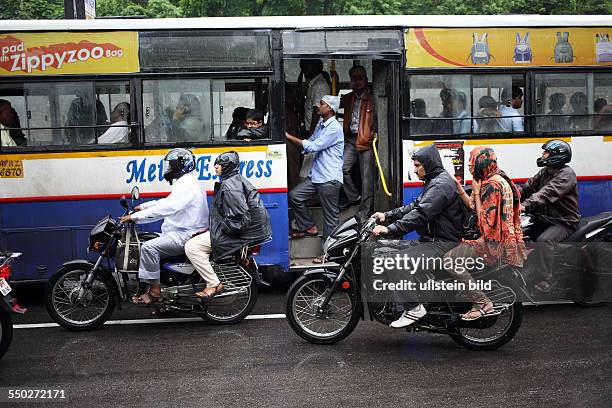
(437, 213)
(237, 216)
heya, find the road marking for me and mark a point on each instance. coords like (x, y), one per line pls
(151, 321)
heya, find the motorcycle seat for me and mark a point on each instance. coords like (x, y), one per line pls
(589, 224)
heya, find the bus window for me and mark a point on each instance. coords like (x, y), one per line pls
(602, 102)
(13, 116)
(115, 98)
(562, 102)
(177, 110)
(80, 112)
(439, 104)
(498, 103)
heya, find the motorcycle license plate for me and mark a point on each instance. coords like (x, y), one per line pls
(5, 288)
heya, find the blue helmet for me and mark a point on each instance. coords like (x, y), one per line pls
(559, 151)
(177, 163)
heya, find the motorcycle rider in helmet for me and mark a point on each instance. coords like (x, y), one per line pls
(553, 194)
(237, 218)
(184, 211)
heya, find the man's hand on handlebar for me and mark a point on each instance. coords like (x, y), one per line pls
(380, 217)
(125, 219)
(137, 208)
(380, 229)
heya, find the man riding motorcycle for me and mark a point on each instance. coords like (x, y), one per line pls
(553, 194)
(184, 211)
(437, 215)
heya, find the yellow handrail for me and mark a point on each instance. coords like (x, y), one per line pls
(380, 170)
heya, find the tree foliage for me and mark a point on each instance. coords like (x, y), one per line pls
(43, 9)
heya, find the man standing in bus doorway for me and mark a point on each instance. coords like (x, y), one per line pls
(511, 120)
(359, 114)
(325, 178)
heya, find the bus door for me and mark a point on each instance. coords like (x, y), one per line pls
(335, 53)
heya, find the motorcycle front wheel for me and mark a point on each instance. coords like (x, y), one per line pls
(338, 320)
(64, 307)
(492, 336)
(6, 331)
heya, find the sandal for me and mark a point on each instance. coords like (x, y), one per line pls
(319, 259)
(302, 234)
(544, 286)
(477, 311)
(207, 294)
(148, 300)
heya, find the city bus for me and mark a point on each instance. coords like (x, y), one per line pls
(89, 109)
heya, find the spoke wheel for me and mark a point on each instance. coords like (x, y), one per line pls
(232, 308)
(67, 310)
(336, 322)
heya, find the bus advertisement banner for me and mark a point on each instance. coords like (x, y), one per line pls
(68, 53)
(507, 47)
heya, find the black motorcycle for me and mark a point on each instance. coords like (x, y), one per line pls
(7, 303)
(324, 305)
(581, 261)
(83, 295)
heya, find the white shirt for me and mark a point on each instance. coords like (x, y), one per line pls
(7, 140)
(514, 123)
(317, 89)
(184, 210)
(115, 134)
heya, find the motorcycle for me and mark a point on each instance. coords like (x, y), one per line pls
(8, 304)
(83, 295)
(324, 306)
(577, 259)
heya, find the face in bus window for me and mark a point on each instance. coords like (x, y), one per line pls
(419, 170)
(359, 80)
(253, 124)
(6, 115)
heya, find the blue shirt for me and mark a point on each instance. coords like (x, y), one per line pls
(327, 142)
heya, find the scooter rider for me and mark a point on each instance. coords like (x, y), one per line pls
(437, 215)
(553, 194)
(184, 211)
(553, 191)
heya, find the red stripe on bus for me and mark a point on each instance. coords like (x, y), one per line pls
(111, 196)
(420, 36)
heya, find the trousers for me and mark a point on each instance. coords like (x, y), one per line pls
(198, 250)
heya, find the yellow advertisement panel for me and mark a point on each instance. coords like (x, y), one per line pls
(507, 47)
(68, 53)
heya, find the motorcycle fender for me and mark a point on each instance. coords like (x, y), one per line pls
(88, 265)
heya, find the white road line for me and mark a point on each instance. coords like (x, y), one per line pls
(150, 321)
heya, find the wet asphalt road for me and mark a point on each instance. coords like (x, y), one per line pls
(561, 357)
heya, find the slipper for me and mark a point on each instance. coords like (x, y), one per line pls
(319, 259)
(148, 300)
(302, 234)
(544, 286)
(479, 307)
(207, 295)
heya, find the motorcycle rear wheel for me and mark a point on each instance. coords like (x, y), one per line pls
(235, 312)
(60, 299)
(339, 320)
(491, 338)
(6, 331)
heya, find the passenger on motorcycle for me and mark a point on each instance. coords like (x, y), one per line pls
(184, 211)
(553, 194)
(436, 215)
(237, 218)
(496, 202)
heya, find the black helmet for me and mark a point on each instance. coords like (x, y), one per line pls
(177, 163)
(229, 162)
(559, 151)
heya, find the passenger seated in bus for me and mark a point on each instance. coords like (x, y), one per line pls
(603, 120)
(488, 116)
(445, 126)
(187, 123)
(512, 121)
(419, 110)
(554, 123)
(436, 215)
(238, 117)
(119, 129)
(579, 108)
(254, 127)
(461, 125)
(184, 211)
(238, 218)
(10, 119)
(81, 113)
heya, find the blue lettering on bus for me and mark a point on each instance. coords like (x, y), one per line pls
(249, 168)
(268, 172)
(152, 170)
(161, 170)
(203, 165)
(135, 171)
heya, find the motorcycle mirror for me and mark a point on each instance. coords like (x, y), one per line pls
(123, 202)
(135, 193)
